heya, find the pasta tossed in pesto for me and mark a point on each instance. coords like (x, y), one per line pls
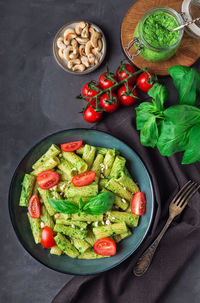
(79, 200)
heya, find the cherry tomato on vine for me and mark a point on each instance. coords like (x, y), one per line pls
(123, 72)
(105, 247)
(47, 239)
(127, 97)
(91, 116)
(107, 80)
(138, 203)
(142, 81)
(90, 89)
(109, 102)
(34, 206)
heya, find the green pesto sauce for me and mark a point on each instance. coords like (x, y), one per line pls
(156, 29)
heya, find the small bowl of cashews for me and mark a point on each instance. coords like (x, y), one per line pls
(79, 47)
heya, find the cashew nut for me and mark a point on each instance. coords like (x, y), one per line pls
(69, 31)
(73, 62)
(68, 38)
(74, 43)
(70, 52)
(82, 50)
(96, 53)
(91, 59)
(94, 36)
(79, 27)
(82, 40)
(78, 67)
(88, 47)
(60, 53)
(99, 43)
(60, 43)
(85, 31)
(85, 61)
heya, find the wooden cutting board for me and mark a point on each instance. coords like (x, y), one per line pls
(188, 52)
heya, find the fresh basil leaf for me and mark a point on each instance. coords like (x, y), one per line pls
(149, 132)
(173, 138)
(160, 94)
(187, 82)
(99, 204)
(192, 152)
(142, 119)
(187, 115)
(64, 206)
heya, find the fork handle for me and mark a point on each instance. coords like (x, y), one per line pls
(145, 260)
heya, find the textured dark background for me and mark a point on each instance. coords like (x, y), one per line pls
(38, 98)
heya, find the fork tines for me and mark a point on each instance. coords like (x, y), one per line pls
(186, 193)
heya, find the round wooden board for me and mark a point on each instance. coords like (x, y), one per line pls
(188, 52)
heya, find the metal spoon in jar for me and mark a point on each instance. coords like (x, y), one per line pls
(186, 24)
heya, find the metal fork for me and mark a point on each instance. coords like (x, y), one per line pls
(176, 206)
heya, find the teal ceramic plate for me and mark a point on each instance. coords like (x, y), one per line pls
(64, 263)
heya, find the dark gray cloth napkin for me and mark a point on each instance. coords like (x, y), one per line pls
(176, 248)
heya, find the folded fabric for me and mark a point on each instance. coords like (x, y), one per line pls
(178, 245)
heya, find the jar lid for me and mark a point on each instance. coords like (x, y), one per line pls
(193, 29)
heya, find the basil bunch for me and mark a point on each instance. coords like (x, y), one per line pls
(95, 206)
(176, 128)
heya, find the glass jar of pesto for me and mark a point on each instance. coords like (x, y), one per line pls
(152, 37)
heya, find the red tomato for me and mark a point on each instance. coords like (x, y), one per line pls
(107, 83)
(90, 89)
(109, 103)
(138, 204)
(84, 178)
(91, 116)
(34, 206)
(142, 81)
(47, 179)
(47, 239)
(105, 247)
(127, 97)
(123, 72)
(71, 146)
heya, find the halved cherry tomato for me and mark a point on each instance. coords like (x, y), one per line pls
(71, 146)
(142, 81)
(107, 80)
(47, 179)
(91, 116)
(90, 89)
(34, 206)
(47, 239)
(109, 103)
(127, 97)
(123, 72)
(84, 178)
(138, 204)
(105, 247)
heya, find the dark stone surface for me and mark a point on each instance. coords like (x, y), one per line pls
(38, 98)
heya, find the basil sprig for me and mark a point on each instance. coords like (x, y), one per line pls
(99, 204)
(95, 206)
(176, 128)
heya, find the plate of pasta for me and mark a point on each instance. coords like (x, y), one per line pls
(81, 201)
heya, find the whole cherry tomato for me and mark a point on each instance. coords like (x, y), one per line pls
(91, 116)
(144, 83)
(47, 239)
(123, 72)
(107, 80)
(127, 96)
(109, 102)
(138, 204)
(90, 89)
